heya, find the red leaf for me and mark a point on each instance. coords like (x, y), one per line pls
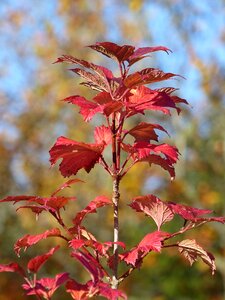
(45, 287)
(51, 204)
(114, 51)
(73, 60)
(163, 163)
(66, 184)
(100, 248)
(144, 154)
(194, 214)
(106, 291)
(191, 251)
(145, 50)
(153, 207)
(19, 198)
(103, 98)
(146, 76)
(131, 257)
(75, 155)
(12, 267)
(145, 131)
(151, 242)
(90, 289)
(78, 291)
(35, 263)
(57, 202)
(102, 135)
(104, 72)
(99, 201)
(87, 108)
(29, 240)
(143, 98)
(93, 81)
(77, 243)
(91, 265)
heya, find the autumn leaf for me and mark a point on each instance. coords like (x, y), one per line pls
(153, 207)
(36, 263)
(146, 76)
(68, 183)
(90, 264)
(94, 81)
(45, 287)
(39, 204)
(88, 109)
(151, 242)
(143, 98)
(100, 249)
(75, 155)
(163, 155)
(78, 291)
(106, 291)
(12, 267)
(102, 134)
(145, 132)
(29, 240)
(114, 51)
(98, 202)
(193, 214)
(192, 251)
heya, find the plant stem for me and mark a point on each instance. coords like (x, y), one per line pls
(115, 200)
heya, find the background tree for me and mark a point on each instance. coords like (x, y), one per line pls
(33, 35)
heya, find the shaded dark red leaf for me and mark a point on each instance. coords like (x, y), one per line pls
(73, 60)
(194, 214)
(91, 265)
(192, 251)
(36, 263)
(12, 267)
(145, 131)
(114, 51)
(29, 240)
(98, 202)
(146, 76)
(75, 155)
(152, 206)
(94, 81)
(145, 50)
(103, 98)
(102, 71)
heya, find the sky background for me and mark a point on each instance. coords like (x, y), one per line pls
(206, 25)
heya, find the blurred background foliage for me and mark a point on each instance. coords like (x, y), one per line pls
(32, 35)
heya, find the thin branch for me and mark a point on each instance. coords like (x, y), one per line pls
(105, 165)
(128, 168)
(124, 164)
(115, 200)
